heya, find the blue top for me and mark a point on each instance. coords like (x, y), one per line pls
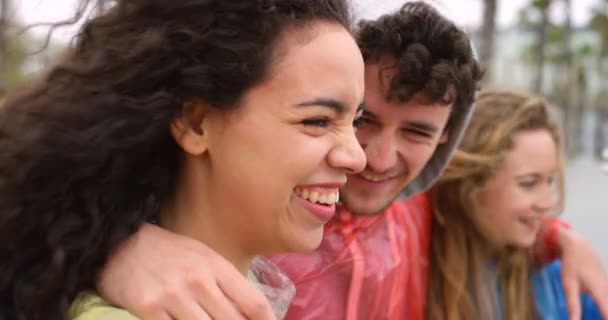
(550, 299)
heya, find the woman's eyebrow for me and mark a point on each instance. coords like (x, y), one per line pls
(333, 104)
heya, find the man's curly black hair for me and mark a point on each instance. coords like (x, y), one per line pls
(86, 153)
(433, 55)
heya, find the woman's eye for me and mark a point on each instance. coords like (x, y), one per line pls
(527, 184)
(317, 122)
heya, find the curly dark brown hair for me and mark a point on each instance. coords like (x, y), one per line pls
(87, 155)
(433, 55)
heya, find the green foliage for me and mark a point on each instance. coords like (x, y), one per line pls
(16, 58)
(541, 4)
(599, 24)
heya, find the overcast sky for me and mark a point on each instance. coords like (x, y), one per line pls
(466, 13)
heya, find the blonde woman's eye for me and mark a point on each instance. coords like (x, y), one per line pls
(527, 184)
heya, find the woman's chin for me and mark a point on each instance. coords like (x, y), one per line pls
(304, 241)
(524, 242)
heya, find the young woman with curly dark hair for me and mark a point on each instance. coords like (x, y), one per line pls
(226, 121)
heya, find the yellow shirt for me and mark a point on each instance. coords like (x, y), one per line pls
(263, 274)
(89, 306)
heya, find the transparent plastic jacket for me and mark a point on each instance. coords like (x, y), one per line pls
(274, 284)
(366, 267)
(369, 267)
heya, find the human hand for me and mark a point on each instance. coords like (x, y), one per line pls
(159, 275)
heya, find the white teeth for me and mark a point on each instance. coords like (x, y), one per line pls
(323, 199)
(316, 197)
(331, 198)
(372, 178)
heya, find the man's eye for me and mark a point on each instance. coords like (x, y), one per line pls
(357, 122)
(418, 133)
(360, 121)
(317, 122)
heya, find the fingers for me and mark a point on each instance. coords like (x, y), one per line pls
(177, 303)
(250, 301)
(572, 292)
(196, 294)
(213, 300)
(200, 299)
(155, 316)
(158, 275)
(150, 311)
(599, 294)
(187, 308)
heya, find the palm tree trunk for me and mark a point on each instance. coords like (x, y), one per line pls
(542, 43)
(571, 86)
(487, 36)
(3, 44)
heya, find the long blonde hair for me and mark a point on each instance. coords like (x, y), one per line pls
(462, 285)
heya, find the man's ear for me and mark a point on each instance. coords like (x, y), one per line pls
(188, 128)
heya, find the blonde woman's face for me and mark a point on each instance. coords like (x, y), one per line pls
(515, 199)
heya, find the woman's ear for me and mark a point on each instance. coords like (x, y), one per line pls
(188, 128)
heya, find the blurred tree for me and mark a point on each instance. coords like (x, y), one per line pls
(599, 24)
(101, 6)
(535, 17)
(574, 85)
(553, 52)
(542, 6)
(16, 59)
(488, 31)
(13, 55)
(3, 43)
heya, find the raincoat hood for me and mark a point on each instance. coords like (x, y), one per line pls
(440, 159)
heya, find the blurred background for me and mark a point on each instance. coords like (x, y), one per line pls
(558, 48)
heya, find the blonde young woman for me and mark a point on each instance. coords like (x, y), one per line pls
(506, 176)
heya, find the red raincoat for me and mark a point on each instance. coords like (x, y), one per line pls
(372, 267)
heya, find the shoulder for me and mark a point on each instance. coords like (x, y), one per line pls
(89, 306)
(418, 202)
(415, 209)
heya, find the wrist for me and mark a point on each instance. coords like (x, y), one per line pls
(559, 234)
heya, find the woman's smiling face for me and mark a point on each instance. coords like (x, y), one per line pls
(289, 144)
